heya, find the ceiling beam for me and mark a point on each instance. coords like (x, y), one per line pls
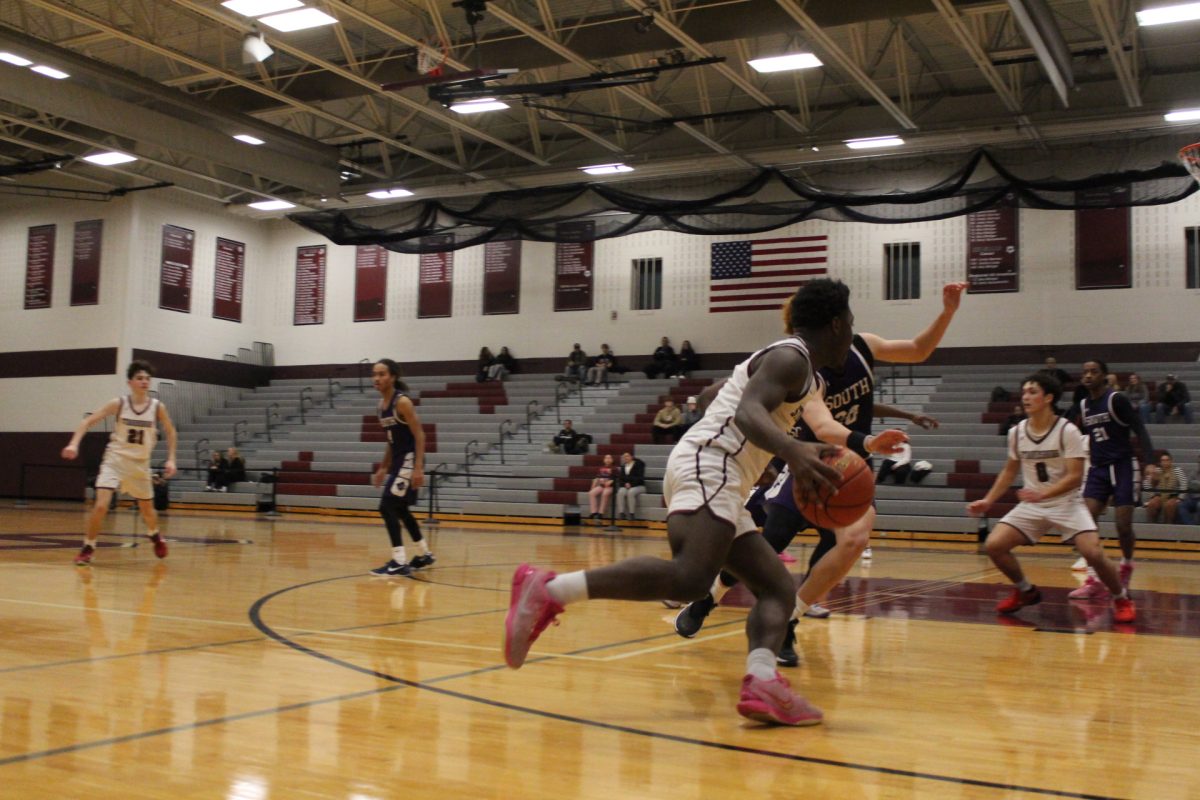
(1125, 67)
(974, 49)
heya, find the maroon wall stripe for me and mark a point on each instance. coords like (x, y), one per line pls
(50, 363)
(171, 366)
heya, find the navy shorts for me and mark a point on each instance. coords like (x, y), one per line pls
(400, 485)
(1113, 481)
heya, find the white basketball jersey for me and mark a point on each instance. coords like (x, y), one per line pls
(136, 431)
(1044, 459)
(718, 430)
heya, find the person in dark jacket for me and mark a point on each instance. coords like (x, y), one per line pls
(1173, 398)
(631, 482)
(664, 362)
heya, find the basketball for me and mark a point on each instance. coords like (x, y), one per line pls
(849, 502)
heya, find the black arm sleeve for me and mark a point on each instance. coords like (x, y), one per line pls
(1127, 414)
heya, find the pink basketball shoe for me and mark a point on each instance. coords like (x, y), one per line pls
(775, 703)
(531, 609)
(1090, 589)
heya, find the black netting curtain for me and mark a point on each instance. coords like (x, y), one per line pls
(713, 205)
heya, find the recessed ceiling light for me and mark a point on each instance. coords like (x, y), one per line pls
(606, 169)
(15, 60)
(110, 158)
(476, 106)
(874, 142)
(1164, 15)
(1183, 115)
(256, 8)
(298, 20)
(248, 139)
(386, 194)
(785, 63)
(50, 72)
(272, 205)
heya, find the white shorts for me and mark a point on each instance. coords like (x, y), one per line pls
(709, 480)
(1034, 521)
(124, 474)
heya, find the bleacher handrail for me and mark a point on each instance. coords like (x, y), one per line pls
(503, 433)
(245, 431)
(361, 384)
(271, 411)
(532, 409)
(332, 383)
(196, 448)
(467, 453)
(305, 395)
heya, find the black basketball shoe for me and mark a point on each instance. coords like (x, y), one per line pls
(788, 657)
(691, 617)
(392, 569)
(422, 561)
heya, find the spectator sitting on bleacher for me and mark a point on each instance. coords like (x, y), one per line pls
(1173, 398)
(502, 366)
(1013, 418)
(1164, 484)
(602, 488)
(235, 469)
(1189, 506)
(691, 415)
(576, 364)
(570, 441)
(216, 471)
(666, 423)
(1139, 397)
(631, 480)
(486, 359)
(1051, 366)
(688, 360)
(1113, 381)
(597, 373)
(664, 362)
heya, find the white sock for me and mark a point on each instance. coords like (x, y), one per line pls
(1091, 573)
(152, 534)
(398, 555)
(1124, 595)
(761, 664)
(89, 543)
(423, 546)
(1025, 585)
(568, 588)
(801, 607)
(718, 590)
(1125, 560)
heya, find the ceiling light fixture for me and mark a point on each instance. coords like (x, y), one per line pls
(256, 8)
(248, 139)
(298, 20)
(606, 169)
(873, 142)
(110, 158)
(15, 60)
(1165, 15)
(50, 72)
(387, 194)
(785, 63)
(479, 105)
(272, 205)
(255, 49)
(1183, 115)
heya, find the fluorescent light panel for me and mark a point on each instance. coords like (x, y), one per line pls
(248, 139)
(1183, 115)
(272, 205)
(256, 8)
(476, 106)
(874, 142)
(387, 194)
(50, 72)
(15, 60)
(785, 63)
(606, 169)
(298, 20)
(110, 159)
(1165, 15)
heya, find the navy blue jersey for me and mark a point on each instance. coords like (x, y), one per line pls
(1106, 422)
(399, 435)
(849, 393)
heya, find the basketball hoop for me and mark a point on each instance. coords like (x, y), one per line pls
(431, 57)
(1190, 158)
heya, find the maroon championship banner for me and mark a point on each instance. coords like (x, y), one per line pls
(175, 275)
(573, 257)
(228, 280)
(370, 283)
(39, 266)
(85, 263)
(310, 285)
(1103, 245)
(435, 285)
(992, 249)
(502, 277)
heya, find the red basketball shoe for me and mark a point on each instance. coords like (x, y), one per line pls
(531, 610)
(774, 702)
(160, 545)
(1018, 600)
(1123, 610)
(84, 558)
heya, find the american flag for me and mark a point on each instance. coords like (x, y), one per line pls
(760, 274)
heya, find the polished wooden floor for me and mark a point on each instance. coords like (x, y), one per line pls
(258, 661)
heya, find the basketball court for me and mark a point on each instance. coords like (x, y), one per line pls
(304, 677)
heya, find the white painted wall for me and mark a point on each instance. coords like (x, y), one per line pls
(1047, 310)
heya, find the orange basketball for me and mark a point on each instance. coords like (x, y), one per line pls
(854, 495)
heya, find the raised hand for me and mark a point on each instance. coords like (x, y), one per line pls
(887, 442)
(952, 295)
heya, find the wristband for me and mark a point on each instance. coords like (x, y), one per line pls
(857, 442)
